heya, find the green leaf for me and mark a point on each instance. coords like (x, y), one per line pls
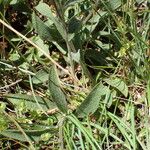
(34, 135)
(13, 2)
(118, 84)
(61, 47)
(6, 2)
(74, 25)
(148, 93)
(94, 20)
(54, 87)
(38, 41)
(91, 103)
(76, 56)
(109, 97)
(73, 2)
(40, 77)
(45, 10)
(46, 32)
(41, 28)
(3, 122)
(30, 102)
(115, 4)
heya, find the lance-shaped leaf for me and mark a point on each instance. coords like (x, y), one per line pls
(45, 10)
(55, 90)
(115, 4)
(29, 101)
(118, 84)
(39, 26)
(91, 103)
(45, 31)
(34, 135)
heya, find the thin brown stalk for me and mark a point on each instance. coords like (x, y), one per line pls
(37, 47)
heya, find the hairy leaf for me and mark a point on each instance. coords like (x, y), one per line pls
(91, 103)
(45, 10)
(55, 90)
(118, 84)
(41, 28)
(40, 77)
(34, 135)
(30, 102)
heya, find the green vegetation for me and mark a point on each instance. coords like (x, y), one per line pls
(74, 75)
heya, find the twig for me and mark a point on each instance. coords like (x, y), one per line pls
(33, 44)
(12, 84)
(21, 130)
